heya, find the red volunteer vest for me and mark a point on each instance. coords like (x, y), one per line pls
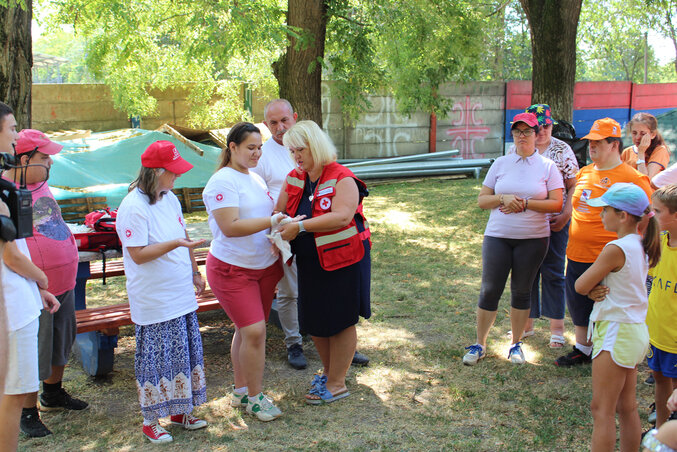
(339, 248)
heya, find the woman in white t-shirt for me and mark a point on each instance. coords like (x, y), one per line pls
(161, 272)
(242, 268)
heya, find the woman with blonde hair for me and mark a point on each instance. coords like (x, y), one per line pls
(332, 249)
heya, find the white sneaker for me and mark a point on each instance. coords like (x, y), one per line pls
(516, 355)
(238, 400)
(475, 353)
(262, 407)
(156, 434)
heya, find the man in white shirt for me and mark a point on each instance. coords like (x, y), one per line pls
(274, 165)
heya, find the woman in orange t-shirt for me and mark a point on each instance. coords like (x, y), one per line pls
(649, 155)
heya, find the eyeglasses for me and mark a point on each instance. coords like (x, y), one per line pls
(523, 133)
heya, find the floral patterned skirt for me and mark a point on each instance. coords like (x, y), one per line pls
(169, 367)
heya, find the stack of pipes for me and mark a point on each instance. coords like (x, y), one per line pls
(429, 164)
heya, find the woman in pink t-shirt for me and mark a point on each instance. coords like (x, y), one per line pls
(520, 189)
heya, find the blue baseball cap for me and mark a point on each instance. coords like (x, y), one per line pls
(623, 196)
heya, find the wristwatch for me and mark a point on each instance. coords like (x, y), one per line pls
(641, 161)
(301, 228)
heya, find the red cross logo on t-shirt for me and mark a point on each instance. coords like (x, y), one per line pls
(219, 197)
(128, 233)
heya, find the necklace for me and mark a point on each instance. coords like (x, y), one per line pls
(312, 188)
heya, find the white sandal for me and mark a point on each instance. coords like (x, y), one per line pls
(557, 341)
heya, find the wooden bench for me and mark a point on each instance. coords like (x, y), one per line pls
(116, 267)
(108, 319)
(74, 210)
(190, 198)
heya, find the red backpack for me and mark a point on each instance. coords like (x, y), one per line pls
(104, 236)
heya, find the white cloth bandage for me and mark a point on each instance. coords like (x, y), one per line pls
(281, 244)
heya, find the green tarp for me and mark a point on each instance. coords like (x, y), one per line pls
(90, 167)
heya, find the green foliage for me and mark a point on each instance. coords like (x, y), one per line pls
(507, 43)
(350, 59)
(13, 3)
(409, 48)
(611, 41)
(136, 46)
(62, 43)
(425, 43)
(226, 109)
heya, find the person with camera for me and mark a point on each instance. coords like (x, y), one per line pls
(24, 287)
(54, 251)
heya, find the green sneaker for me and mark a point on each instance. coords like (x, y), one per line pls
(238, 400)
(262, 407)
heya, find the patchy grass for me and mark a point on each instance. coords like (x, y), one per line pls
(415, 395)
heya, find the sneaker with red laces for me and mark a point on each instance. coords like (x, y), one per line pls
(156, 434)
(188, 421)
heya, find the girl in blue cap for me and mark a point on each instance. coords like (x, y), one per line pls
(615, 283)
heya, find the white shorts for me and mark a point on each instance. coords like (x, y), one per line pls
(22, 362)
(627, 342)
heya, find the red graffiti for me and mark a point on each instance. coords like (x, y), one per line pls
(470, 128)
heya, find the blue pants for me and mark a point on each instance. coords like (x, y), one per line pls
(552, 300)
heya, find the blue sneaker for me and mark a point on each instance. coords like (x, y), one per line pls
(475, 353)
(516, 355)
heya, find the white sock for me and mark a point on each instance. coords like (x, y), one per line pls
(587, 349)
(147, 422)
(240, 391)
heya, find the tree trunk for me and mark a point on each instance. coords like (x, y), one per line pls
(553, 25)
(16, 61)
(299, 70)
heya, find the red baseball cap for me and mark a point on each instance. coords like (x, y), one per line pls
(529, 119)
(163, 154)
(33, 140)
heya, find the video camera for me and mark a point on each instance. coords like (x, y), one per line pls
(18, 200)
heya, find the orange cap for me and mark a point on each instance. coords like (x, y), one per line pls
(604, 128)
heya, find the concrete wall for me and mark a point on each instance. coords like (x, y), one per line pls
(83, 106)
(476, 125)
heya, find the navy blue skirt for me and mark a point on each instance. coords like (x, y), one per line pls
(330, 301)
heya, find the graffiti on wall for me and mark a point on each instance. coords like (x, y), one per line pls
(467, 128)
(384, 127)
